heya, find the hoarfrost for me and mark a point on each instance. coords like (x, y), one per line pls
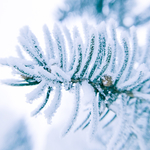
(87, 92)
(75, 110)
(94, 116)
(61, 73)
(55, 103)
(36, 93)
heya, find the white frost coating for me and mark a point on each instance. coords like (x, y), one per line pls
(109, 43)
(14, 60)
(53, 62)
(78, 45)
(19, 66)
(126, 47)
(71, 72)
(95, 51)
(26, 47)
(86, 34)
(24, 43)
(145, 55)
(4, 62)
(24, 32)
(140, 138)
(75, 33)
(122, 128)
(141, 95)
(77, 39)
(37, 92)
(30, 44)
(19, 52)
(143, 68)
(55, 103)
(75, 110)
(55, 69)
(94, 115)
(48, 42)
(69, 41)
(11, 81)
(42, 105)
(45, 74)
(34, 44)
(61, 45)
(87, 92)
(112, 142)
(129, 82)
(102, 28)
(119, 59)
(29, 39)
(112, 25)
(124, 36)
(26, 62)
(144, 75)
(68, 37)
(104, 62)
(87, 55)
(132, 53)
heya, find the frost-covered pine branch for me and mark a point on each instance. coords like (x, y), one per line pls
(104, 65)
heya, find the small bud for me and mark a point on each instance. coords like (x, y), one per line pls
(107, 80)
(26, 77)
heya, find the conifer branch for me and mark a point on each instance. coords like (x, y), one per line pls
(95, 62)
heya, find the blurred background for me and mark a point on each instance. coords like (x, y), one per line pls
(20, 131)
